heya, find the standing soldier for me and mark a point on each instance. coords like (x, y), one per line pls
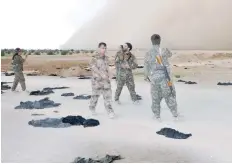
(157, 71)
(101, 80)
(116, 64)
(126, 61)
(17, 63)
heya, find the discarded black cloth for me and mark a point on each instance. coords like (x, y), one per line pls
(48, 88)
(41, 104)
(84, 77)
(9, 74)
(106, 159)
(53, 74)
(190, 82)
(82, 97)
(91, 123)
(186, 82)
(32, 74)
(5, 87)
(37, 114)
(49, 123)
(172, 133)
(64, 122)
(74, 120)
(114, 77)
(68, 94)
(2, 83)
(226, 84)
(43, 92)
(140, 66)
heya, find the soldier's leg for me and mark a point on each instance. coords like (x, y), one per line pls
(120, 84)
(156, 96)
(94, 99)
(107, 95)
(131, 86)
(16, 81)
(170, 99)
(22, 81)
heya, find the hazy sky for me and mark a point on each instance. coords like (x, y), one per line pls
(43, 23)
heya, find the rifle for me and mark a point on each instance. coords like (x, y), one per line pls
(160, 61)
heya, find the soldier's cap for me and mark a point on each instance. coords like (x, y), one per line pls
(129, 45)
(155, 37)
(17, 50)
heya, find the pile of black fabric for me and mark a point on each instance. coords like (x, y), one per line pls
(187, 82)
(114, 77)
(140, 66)
(82, 97)
(106, 159)
(225, 84)
(46, 91)
(40, 93)
(32, 74)
(67, 94)
(84, 77)
(5, 87)
(41, 104)
(64, 122)
(172, 133)
(52, 74)
(9, 74)
(48, 88)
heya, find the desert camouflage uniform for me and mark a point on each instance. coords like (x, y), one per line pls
(125, 75)
(117, 64)
(100, 66)
(17, 64)
(159, 87)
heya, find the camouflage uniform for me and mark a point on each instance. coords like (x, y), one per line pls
(125, 75)
(117, 64)
(17, 64)
(159, 87)
(100, 66)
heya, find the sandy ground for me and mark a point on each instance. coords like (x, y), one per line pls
(206, 110)
(200, 66)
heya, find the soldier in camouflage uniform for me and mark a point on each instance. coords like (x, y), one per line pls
(17, 63)
(101, 80)
(126, 61)
(154, 72)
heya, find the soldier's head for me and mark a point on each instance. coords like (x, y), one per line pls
(155, 39)
(120, 48)
(18, 51)
(102, 48)
(127, 47)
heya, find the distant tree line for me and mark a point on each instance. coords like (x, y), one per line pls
(5, 52)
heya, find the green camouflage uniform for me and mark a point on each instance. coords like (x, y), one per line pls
(17, 64)
(125, 75)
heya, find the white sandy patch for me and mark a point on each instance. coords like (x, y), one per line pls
(206, 109)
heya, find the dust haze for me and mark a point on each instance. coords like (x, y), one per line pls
(182, 24)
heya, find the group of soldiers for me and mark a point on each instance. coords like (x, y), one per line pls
(155, 71)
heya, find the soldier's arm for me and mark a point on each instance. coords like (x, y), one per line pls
(134, 64)
(146, 66)
(167, 52)
(93, 66)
